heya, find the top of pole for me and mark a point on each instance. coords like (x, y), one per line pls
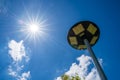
(83, 30)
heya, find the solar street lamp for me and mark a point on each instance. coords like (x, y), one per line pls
(83, 35)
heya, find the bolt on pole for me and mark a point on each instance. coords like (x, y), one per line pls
(96, 63)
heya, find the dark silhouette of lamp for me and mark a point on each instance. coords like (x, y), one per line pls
(83, 35)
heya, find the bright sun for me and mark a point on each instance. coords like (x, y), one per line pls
(33, 28)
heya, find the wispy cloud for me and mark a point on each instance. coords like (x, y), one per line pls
(83, 69)
(18, 54)
(4, 6)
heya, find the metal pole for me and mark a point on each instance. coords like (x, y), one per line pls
(96, 63)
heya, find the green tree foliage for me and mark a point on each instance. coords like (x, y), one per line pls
(77, 78)
(67, 77)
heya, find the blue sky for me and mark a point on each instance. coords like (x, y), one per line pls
(49, 55)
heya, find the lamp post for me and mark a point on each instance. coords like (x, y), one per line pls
(83, 35)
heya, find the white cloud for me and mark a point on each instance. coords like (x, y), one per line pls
(93, 75)
(12, 72)
(18, 54)
(17, 50)
(17, 76)
(25, 76)
(58, 78)
(83, 69)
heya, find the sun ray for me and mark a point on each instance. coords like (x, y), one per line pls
(33, 27)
